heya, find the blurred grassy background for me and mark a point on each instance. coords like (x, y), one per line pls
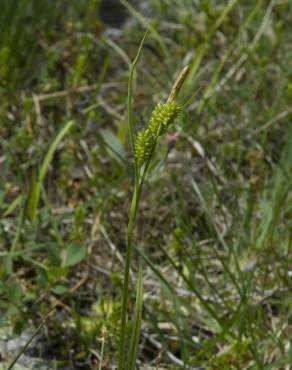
(215, 222)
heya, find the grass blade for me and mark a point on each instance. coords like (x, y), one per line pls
(134, 343)
(37, 184)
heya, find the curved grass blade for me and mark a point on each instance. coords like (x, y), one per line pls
(35, 192)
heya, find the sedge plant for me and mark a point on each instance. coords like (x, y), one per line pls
(143, 144)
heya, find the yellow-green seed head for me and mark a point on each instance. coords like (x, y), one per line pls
(163, 116)
(143, 146)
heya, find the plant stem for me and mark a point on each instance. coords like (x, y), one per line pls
(125, 295)
(129, 247)
(132, 216)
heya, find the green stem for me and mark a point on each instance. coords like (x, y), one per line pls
(129, 247)
(125, 295)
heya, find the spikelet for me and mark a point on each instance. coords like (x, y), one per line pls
(163, 116)
(143, 146)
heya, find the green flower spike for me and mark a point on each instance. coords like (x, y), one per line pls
(163, 116)
(143, 146)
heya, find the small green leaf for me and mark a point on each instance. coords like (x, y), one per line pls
(74, 254)
(53, 252)
(7, 265)
(59, 289)
(13, 291)
(42, 277)
(57, 272)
